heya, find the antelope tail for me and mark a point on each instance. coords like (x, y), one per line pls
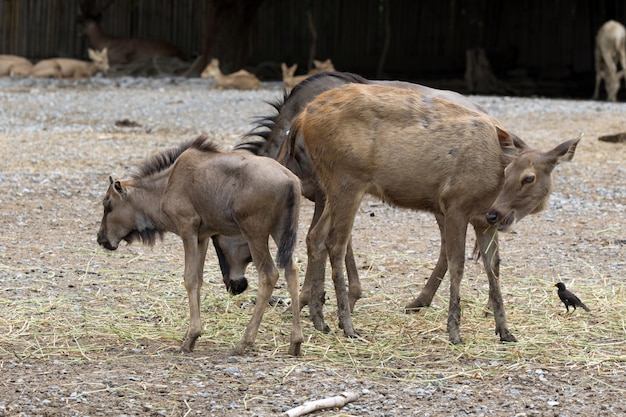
(288, 239)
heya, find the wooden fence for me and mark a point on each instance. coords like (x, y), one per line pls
(428, 38)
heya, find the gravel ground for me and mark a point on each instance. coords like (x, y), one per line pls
(86, 332)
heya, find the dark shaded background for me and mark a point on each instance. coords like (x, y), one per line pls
(542, 47)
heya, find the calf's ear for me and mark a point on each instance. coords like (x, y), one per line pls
(119, 189)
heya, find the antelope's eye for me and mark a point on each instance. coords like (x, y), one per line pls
(528, 179)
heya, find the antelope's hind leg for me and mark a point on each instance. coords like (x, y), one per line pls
(425, 297)
(343, 207)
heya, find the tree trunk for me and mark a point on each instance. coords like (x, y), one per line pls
(479, 77)
(226, 35)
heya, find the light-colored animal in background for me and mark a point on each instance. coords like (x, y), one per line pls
(289, 78)
(415, 151)
(292, 80)
(240, 80)
(121, 50)
(322, 66)
(72, 68)
(610, 50)
(14, 66)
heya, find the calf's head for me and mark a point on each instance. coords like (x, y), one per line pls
(122, 220)
(234, 256)
(527, 184)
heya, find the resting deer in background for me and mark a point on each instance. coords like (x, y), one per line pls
(14, 66)
(72, 68)
(610, 49)
(240, 80)
(292, 80)
(121, 50)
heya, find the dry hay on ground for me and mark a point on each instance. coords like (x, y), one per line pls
(97, 332)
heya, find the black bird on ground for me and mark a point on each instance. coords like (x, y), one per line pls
(569, 298)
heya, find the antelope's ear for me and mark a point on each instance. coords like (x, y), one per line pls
(509, 143)
(565, 151)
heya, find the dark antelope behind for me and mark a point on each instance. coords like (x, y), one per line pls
(420, 152)
(121, 50)
(197, 192)
(273, 132)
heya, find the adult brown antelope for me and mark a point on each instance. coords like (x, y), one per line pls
(121, 50)
(610, 50)
(72, 68)
(240, 80)
(196, 192)
(423, 153)
(233, 254)
(14, 66)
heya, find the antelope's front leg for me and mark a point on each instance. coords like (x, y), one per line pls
(488, 245)
(455, 229)
(342, 214)
(195, 253)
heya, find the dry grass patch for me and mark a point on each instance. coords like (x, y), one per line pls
(104, 312)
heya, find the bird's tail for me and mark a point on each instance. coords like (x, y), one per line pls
(585, 307)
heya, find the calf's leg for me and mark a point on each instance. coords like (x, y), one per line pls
(195, 254)
(268, 276)
(354, 283)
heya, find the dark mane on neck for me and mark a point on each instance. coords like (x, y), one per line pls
(348, 77)
(265, 124)
(162, 161)
(204, 144)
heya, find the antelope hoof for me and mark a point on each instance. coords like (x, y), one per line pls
(350, 333)
(506, 336)
(415, 306)
(455, 339)
(322, 328)
(189, 342)
(295, 348)
(352, 299)
(239, 349)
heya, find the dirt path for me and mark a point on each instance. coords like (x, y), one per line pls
(87, 332)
